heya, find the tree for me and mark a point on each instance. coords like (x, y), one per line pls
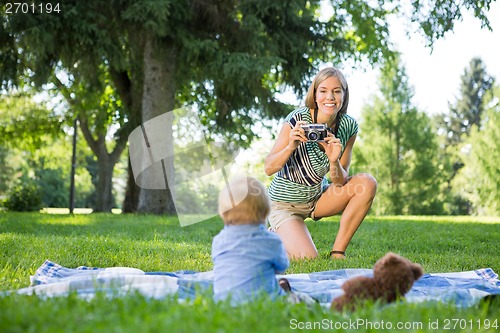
(398, 144)
(454, 128)
(26, 130)
(228, 57)
(101, 115)
(25, 123)
(436, 17)
(468, 108)
(478, 180)
(72, 60)
(36, 147)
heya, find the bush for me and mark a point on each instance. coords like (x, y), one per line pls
(53, 188)
(24, 197)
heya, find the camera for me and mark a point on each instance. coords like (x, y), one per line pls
(315, 132)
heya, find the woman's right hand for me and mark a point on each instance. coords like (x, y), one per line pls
(288, 140)
(297, 135)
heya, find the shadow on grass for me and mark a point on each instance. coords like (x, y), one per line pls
(133, 226)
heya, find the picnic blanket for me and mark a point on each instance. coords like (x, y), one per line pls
(461, 288)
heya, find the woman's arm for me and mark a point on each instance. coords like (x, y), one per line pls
(288, 140)
(339, 167)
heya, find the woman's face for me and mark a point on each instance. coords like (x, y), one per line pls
(329, 96)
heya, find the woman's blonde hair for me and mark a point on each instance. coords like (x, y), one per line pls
(244, 200)
(322, 75)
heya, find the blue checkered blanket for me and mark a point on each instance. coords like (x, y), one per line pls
(461, 288)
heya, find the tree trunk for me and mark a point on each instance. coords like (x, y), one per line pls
(131, 199)
(105, 165)
(158, 98)
(104, 195)
(129, 86)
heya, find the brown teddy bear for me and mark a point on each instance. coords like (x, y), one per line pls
(393, 277)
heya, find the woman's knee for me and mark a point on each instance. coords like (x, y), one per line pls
(366, 184)
(297, 240)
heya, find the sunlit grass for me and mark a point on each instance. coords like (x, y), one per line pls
(444, 218)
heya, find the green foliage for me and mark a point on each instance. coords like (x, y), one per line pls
(397, 144)
(81, 80)
(437, 17)
(201, 199)
(54, 188)
(84, 189)
(26, 196)
(49, 168)
(455, 130)
(153, 243)
(7, 170)
(228, 58)
(478, 180)
(25, 123)
(469, 107)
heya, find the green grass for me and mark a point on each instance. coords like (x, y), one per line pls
(152, 243)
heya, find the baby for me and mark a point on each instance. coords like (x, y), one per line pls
(246, 255)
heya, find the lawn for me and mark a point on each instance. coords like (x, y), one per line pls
(153, 243)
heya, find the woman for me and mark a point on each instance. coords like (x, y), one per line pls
(298, 189)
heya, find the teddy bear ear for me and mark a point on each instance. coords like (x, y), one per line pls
(391, 258)
(417, 270)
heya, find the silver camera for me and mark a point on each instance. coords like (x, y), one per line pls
(315, 132)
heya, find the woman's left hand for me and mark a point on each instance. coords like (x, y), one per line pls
(333, 147)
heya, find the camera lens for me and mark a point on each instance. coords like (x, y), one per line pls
(313, 136)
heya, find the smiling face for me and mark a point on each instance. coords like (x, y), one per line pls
(329, 94)
(329, 97)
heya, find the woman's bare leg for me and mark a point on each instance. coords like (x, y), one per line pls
(297, 239)
(354, 199)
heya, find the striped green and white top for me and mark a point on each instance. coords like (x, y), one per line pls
(301, 177)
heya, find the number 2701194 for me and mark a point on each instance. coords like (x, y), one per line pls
(32, 8)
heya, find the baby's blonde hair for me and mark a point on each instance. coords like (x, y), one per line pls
(243, 200)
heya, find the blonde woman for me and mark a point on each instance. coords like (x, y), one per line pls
(300, 161)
